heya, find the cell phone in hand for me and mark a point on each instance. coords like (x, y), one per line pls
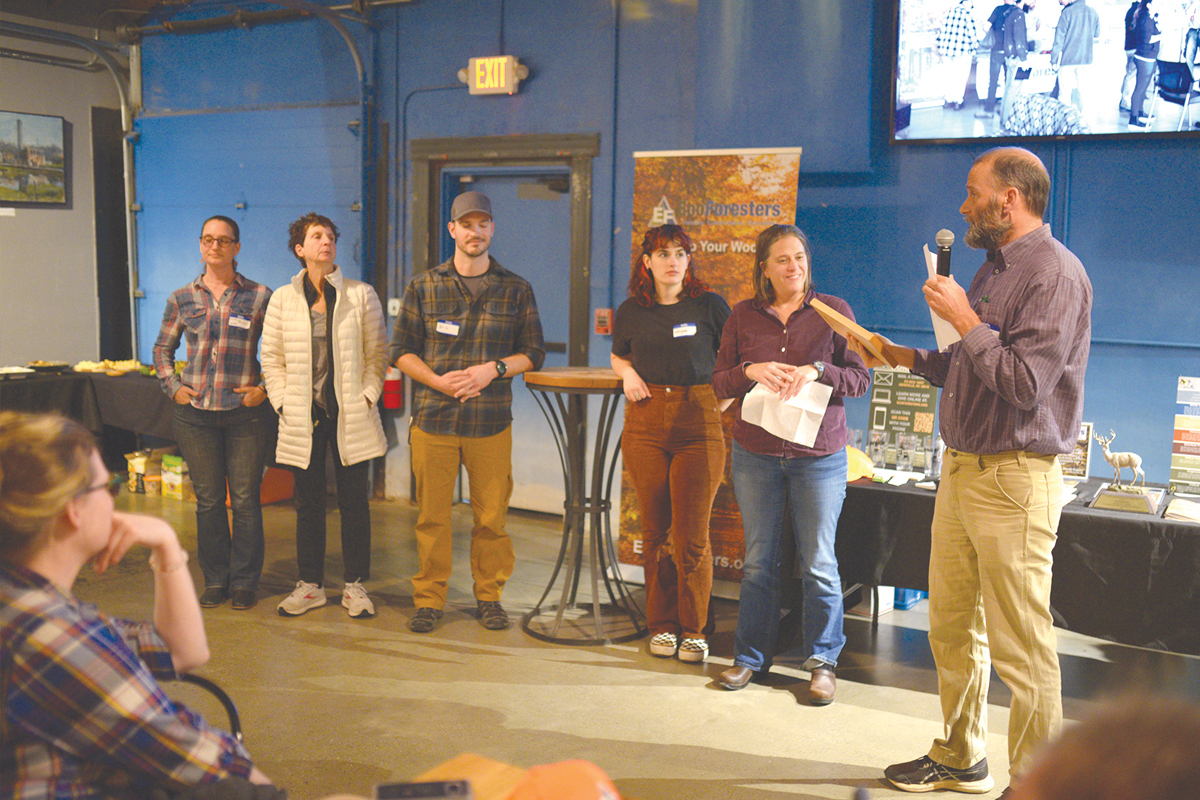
(458, 790)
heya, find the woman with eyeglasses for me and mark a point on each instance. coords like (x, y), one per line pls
(84, 714)
(221, 423)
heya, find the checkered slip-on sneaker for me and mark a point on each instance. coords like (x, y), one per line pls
(693, 650)
(664, 645)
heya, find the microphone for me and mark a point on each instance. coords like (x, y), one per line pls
(944, 239)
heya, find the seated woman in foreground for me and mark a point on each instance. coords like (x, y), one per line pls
(84, 715)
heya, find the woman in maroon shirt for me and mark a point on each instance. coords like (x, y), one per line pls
(776, 339)
(665, 339)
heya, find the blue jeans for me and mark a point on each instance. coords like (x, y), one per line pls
(226, 447)
(813, 488)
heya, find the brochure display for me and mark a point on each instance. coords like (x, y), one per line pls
(1185, 447)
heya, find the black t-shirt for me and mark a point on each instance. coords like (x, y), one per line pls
(672, 345)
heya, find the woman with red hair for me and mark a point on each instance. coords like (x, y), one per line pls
(665, 342)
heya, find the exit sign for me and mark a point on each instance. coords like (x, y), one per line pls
(493, 75)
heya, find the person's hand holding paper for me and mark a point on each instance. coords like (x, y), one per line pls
(943, 329)
(796, 419)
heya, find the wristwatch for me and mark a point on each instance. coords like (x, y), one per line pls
(820, 365)
(501, 367)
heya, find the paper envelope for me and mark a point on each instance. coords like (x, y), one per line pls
(796, 420)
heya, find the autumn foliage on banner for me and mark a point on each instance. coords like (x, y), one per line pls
(722, 200)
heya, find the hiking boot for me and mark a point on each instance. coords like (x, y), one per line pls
(492, 615)
(424, 620)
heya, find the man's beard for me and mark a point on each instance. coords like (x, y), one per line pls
(989, 229)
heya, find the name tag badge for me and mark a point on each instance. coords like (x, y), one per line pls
(239, 321)
(448, 327)
(684, 329)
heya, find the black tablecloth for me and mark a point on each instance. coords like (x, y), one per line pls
(131, 402)
(134, 403)
(70, 394)
(1131, 578)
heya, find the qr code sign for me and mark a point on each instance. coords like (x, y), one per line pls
(922, 422)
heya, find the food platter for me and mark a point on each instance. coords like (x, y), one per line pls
(14, 373)
(49, 366)
(114, 369)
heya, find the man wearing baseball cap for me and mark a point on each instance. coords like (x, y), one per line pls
(465, 328)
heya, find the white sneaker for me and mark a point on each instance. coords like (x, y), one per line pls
(356, 602)
(305, 597)
(663, 645)
(693, 650)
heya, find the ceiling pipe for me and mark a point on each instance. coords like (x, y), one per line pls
(91, 65)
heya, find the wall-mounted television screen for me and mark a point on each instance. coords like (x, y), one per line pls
(1071, 75)
(32, 159)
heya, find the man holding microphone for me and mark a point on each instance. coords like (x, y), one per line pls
(1011, 401)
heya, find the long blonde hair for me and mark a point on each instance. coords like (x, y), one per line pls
(44, 462)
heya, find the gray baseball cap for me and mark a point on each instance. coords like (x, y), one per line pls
(468, 202)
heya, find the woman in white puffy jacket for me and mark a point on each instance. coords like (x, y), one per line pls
(324, 352)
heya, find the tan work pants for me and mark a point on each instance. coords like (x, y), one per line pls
(436, 460)
(994, 528)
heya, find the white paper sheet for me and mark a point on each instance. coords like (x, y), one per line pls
(796, 420)
(944, 331)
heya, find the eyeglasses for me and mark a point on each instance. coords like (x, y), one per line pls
(112, 486)
(209, 241)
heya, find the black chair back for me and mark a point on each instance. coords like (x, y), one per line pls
(1174, 81)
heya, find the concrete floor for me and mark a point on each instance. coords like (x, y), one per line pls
(332, 704)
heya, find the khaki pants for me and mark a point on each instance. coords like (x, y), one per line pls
(436, 460)
(994, 527)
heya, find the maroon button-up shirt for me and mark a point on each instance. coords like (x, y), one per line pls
(753, 334)
(1015, 382)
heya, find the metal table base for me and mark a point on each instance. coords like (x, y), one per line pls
(612, 615)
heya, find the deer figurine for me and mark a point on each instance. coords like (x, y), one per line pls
(1119, 460)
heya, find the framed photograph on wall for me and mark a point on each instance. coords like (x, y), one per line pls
(33, 168)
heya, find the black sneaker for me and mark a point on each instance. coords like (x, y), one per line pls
(492, 615)
(925, 775)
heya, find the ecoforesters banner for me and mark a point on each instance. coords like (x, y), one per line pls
(723, 199)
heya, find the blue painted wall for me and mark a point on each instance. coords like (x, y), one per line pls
(674, 74)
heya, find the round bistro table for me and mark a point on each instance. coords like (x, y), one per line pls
(562, 393)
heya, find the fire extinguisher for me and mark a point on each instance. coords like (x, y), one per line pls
(393, 389)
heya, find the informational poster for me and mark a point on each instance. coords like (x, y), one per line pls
(1185, 447)
(1077, 463)
(722, 198)
(902, 402)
